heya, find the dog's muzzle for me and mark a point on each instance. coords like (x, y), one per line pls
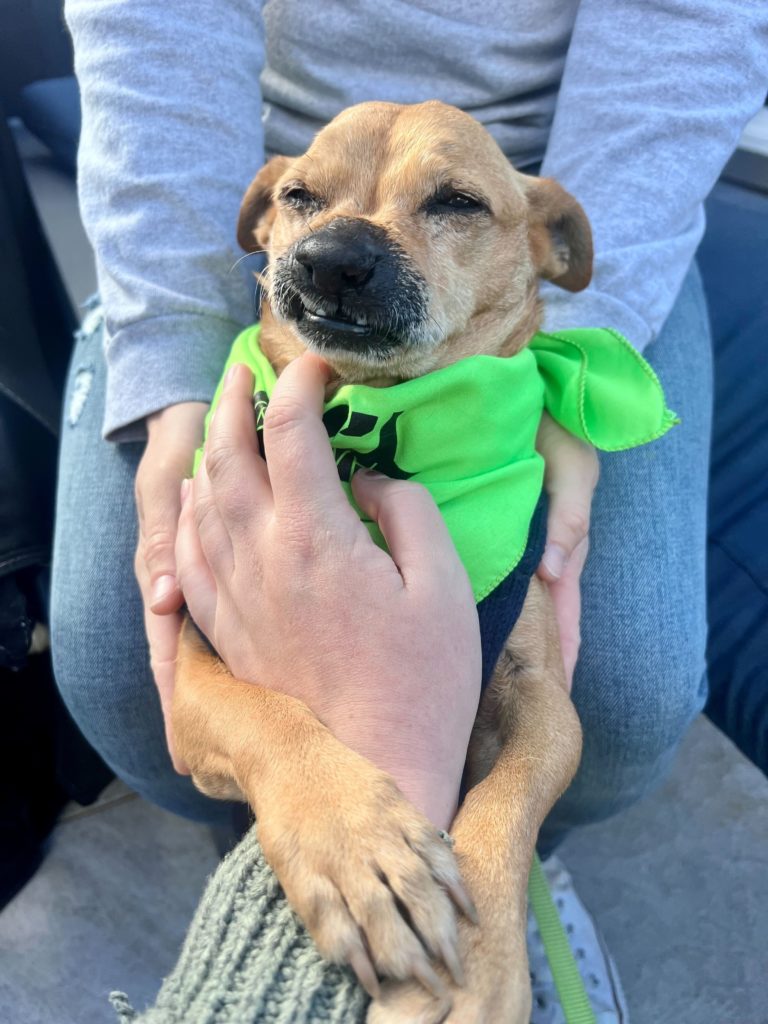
(349, 286)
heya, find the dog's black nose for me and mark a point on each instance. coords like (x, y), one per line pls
(341, 256)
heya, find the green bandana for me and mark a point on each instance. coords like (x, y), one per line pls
(467, 432)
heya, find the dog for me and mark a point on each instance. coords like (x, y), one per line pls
(402, 242)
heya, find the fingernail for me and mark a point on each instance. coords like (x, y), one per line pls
(229, 376)
(186, 483)
(162, 587)
(370, 474)
(554, 560)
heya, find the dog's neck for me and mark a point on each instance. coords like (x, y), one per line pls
(488, 335)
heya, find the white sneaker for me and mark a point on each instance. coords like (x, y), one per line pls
(601, 979)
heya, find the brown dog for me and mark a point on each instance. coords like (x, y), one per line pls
(402, 241)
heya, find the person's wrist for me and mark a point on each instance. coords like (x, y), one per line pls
(424, 754)
(188, 416)
(435, 793)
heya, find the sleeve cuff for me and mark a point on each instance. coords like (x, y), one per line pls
(592, 309)
(158, 362)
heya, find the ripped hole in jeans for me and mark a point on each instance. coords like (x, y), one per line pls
(81, 387)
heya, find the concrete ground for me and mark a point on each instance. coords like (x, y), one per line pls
(679, 888)
(677, 884)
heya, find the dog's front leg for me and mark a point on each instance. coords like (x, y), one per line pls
(524, 751)
(369, 876)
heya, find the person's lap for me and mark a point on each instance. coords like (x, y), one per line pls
(640, 678)
(100, 653)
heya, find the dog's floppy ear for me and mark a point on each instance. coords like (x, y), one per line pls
(561, 238)
(257, 210)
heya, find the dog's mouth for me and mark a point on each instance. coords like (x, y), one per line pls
(372, 332)
(354, 324)
(351, 293)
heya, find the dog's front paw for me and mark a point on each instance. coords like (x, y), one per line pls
(370, 877)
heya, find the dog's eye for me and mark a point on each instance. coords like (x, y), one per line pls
(451, 201)
(300, 198)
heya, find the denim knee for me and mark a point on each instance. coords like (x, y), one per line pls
(97, 631)
(626, 756)
(633, 724)
(113, 700)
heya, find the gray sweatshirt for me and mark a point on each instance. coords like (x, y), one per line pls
(634, 105)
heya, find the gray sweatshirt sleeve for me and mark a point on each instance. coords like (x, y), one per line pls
(651, 105)
(171, 136)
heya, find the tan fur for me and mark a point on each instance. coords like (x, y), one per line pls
(325, 813)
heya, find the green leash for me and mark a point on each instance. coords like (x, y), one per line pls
(568, 981)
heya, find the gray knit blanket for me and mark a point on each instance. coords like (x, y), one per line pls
(248, 960)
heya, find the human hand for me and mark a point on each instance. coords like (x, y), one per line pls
(281, 575)
(173, 434)
(570, 477)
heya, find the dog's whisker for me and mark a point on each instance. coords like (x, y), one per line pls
(436, 323)
(245, 256)
(274, 252)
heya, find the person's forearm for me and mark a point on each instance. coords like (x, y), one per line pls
(652, 102)
(171, 136)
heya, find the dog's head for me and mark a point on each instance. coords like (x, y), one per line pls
(403, 240)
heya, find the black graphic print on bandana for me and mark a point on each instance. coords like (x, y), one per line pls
(339, 423)
(260, 403)
(383, 456)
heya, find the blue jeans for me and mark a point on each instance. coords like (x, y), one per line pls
(640, 679)
(732, 258)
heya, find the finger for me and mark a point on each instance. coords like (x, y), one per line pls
(157, 501)
(163, 636)
(195, 578)
(411, 524)
(566, 597)
(302, 469)
(570, 508)
(212, 532)
(567, 527)
(235, 468)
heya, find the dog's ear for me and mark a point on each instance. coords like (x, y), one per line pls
(561, 238)
(257, 210)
